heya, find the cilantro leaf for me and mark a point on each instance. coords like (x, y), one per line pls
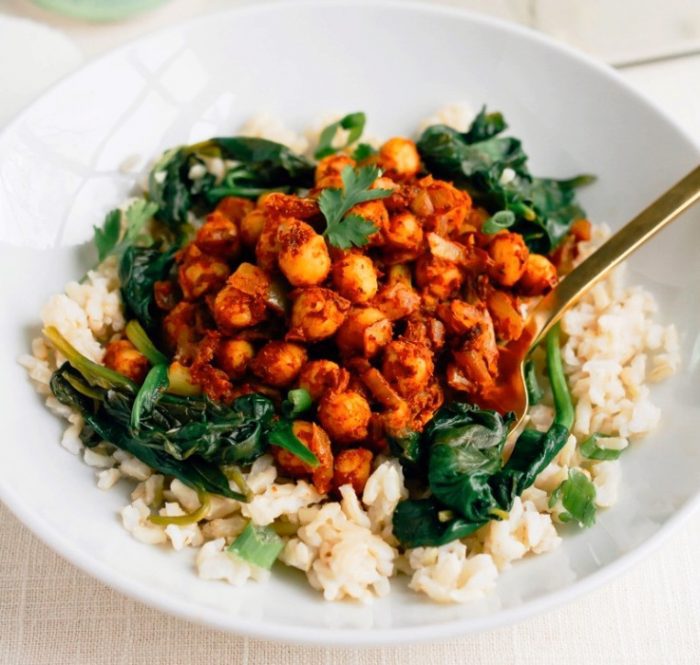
(107, 237)
(336, 203)
(354, 123)
(111, 240)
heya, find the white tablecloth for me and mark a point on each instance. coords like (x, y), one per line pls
(52, 613)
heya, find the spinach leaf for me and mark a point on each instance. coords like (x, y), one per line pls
(410, 449)
(102, 425)
(363, 151)
(466, 448)
(281, 435)
(154, 384)
(494, 170)
(532, 385)
(261, 166)
(354, 123)
(418, 523)
(139, 269)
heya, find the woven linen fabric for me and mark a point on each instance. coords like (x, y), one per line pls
(53, 614)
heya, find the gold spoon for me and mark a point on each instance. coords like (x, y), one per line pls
(616, 249)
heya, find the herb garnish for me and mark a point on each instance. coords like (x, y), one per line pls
(354, 123)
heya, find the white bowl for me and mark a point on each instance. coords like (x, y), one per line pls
(59, 164)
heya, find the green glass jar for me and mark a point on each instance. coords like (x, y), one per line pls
(99, 10)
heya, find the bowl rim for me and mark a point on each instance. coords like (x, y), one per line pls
(355, 637)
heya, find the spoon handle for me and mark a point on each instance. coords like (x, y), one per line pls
(616, 249)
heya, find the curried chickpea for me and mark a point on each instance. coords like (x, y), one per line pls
(375, 212)
(123, 357)
(403, 231)
(235, 208)
(180, 329)
(538, 278)
(234, 309)
(218, 236)
(438, 277)
(278, 363)
(355, 278)
(251, 227)
(399, 157)
(509, 254)
(234, 356)
(316, 314)
(319, 377)
(345, 416)
(352, 467)
(329, 168)
(365, 331)
(407, 366)
(267, 248)
(317, 441)
(303, 255)
(200, 273)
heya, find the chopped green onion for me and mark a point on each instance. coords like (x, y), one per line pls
(94, 374)
(298, 401)
(503, 219)
(139, 338)
(233, 473)
(259, 545)
(282, 435)
(590, 449)
(184, 520)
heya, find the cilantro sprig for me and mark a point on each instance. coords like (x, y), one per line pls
(343, 230)
(112, 239)
(353, 123)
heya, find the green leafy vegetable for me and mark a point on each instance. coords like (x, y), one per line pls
(534, 390)
(418, 523)
(354, 123)
(563, 406)
(261, 166)
(109, 240)
(577, 495)
(503, 219)
(494, 170)
(140, 339)
(281, 435)
(590, 449)
(363, 151)
(467, 444)
(298, 401)
(259, 545)
(139, 270)
(154, 384)
(351, 231)
(409, 449)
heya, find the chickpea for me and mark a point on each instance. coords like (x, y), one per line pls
(375, 212)
(345, 416)
(319, 377)
(251, 280)
(509, 255)
(331, 167)
(218, 236)
(352, 467)
(507, 320)
(303, 256)
(235, 208)
(252, 227)
(123, 357)
(398, 299)
(317, 441)
(438, 277)
(461, 318)
(399, 156)
(200, 273)
(234, 356)
(277, 205)
(365, 331)
(403, 231)
(278, 363)
(267, 248)
(179, 329)
(407, 366)
(234, 309)
(538, 278)
(355, 278)
(316, 314)
(423, 405)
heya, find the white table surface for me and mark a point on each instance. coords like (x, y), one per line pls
(52, 613)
